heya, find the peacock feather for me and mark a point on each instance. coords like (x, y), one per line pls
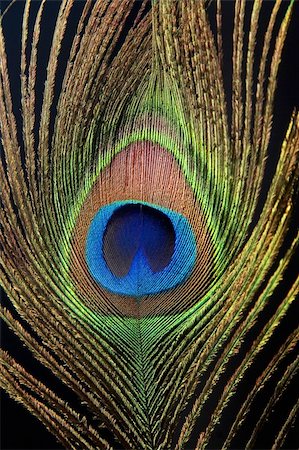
(141, 262)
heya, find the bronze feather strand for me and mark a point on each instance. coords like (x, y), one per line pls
(144, 262)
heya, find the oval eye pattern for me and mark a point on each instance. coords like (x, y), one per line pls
(137, 248)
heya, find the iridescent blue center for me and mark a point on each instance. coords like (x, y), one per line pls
(136, 248)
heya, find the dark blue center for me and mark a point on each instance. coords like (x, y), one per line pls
(135, 228)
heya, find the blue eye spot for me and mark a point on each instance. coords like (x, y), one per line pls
(136, 248)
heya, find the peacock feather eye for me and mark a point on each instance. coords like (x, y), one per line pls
(139, 242)
(145, 241)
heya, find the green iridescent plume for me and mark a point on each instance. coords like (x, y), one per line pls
(140, 260)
